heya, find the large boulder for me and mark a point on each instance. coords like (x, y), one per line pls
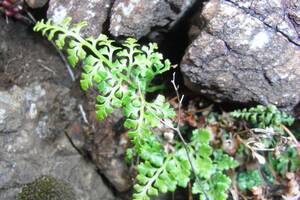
(248, 52)
(137, 18)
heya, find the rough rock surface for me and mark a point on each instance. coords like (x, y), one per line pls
(33, 142)
(138, 17)
(134, 18)
(105, 142)
(248, 52)
(36, 107)
(95, 12)
(107, 148)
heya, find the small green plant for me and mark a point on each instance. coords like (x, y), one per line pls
(288, 161)
(249, 179)
(123, 74)
(264, 116)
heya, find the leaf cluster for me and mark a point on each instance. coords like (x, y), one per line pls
(210, 183)
(249, 179)
(288, 161)
(264, 116)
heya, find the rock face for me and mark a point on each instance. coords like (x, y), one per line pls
(107, 149)
(95, 12)
(36, 108)
(249, 51)
(33, 142)
(134, 18)
(137, 17)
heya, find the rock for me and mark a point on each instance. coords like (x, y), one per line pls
(33, 142)
(137, 18)
(248, 52)
(27, 58)
(38, 106)
(36, 3)
(95, 12)
(107, 145)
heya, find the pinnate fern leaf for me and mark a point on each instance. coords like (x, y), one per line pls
(122, 74)
(264, 116)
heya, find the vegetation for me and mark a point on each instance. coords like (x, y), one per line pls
(123, 74)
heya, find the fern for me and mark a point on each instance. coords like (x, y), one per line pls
(175, 171)
(264, 116)
(122, 74)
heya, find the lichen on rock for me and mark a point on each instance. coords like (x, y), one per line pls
(47, 188)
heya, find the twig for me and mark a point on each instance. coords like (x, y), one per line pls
(70, 71)
(291, 135)
(47, 68)
(177, 129)
(83, 114)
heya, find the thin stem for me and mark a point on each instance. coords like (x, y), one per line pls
(291, 135)
(177, 129)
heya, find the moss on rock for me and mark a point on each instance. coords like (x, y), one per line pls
(47, 188)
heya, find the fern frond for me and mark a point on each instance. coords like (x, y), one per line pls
(122, 74)
(264, 116)
(116, 71)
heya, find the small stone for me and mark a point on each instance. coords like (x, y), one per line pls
(93, 12)
(36, 3)
(136, 18)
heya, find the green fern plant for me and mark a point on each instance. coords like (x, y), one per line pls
(122, 74)
(264, 116)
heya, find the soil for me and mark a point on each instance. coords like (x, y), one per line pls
(26, 57)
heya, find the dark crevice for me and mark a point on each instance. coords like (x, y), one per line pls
(39, 13)
(106, 24)
(173, 43)
(176, 40)
(173, 7)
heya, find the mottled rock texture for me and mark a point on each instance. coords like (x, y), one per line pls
(36, 3)
(33, 142)
(95, 12)
(138, 17)
(36, 107)
(107, 148)
(248, 51)
(134, 18)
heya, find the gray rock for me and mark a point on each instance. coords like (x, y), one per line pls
(108, 151)
(95, 12)
(247, 52)
(36, 3)
(137, 18)
(33, 142)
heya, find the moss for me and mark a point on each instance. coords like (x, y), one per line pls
(46, 188)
